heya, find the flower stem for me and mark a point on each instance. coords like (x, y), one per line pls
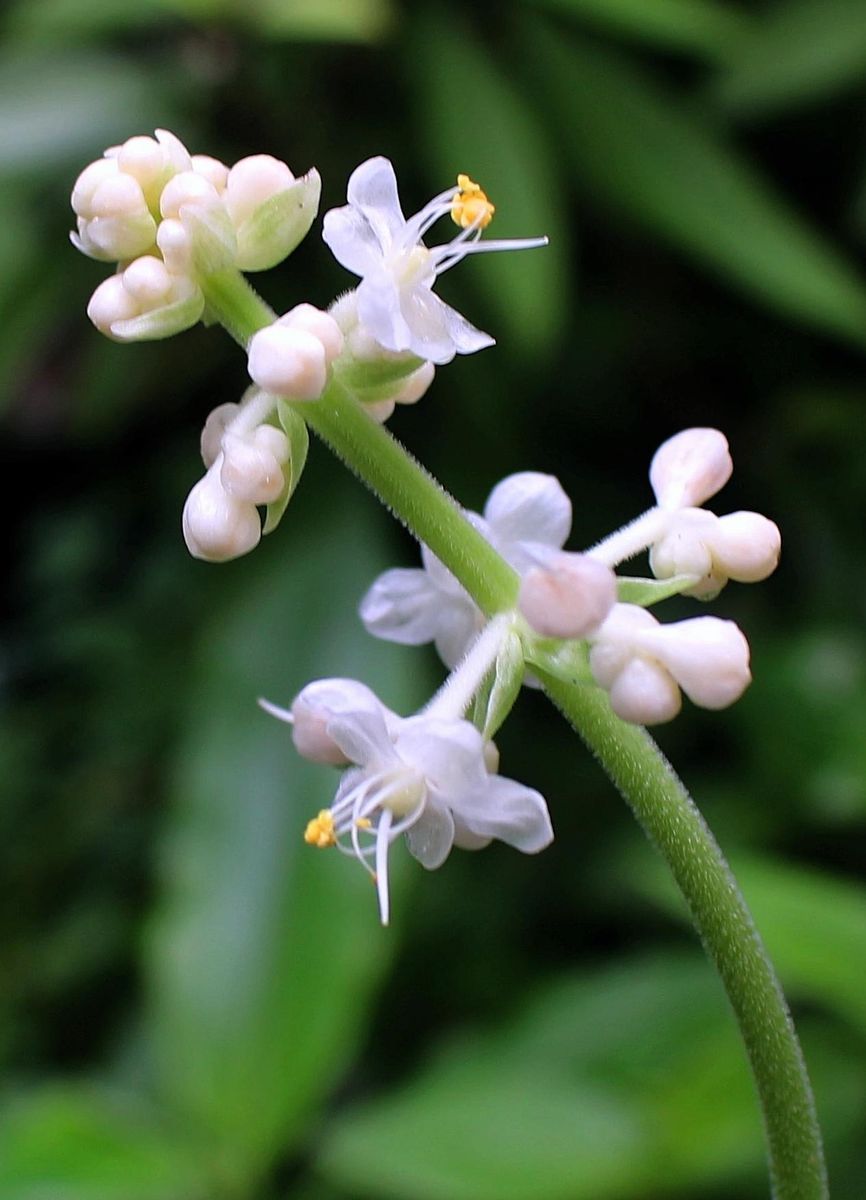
(627, 752)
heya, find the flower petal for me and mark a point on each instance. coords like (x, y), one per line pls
(460, 622)
(373, 191)
(351, 240)
(531, 507)
(431, 837)
(364, 737)
(448, 753)
(438, 331)
(403, 605)
(507, 810)
(379, 310)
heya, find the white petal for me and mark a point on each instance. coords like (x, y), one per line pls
(363, 737)
(449, 754)
(509, 811)
(431, 837)
(460, 622)
(438, 331)
(379, 310)
(373, 191)
(404, 606)
(351, 240)
(529, 507)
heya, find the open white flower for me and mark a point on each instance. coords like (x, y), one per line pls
(395, 299)
(423, 776)
(527, 518)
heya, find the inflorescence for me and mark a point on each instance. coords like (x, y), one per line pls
(174, 224)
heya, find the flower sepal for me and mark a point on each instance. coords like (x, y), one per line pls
(295, 429)
(374, 380)
(213, 244)
(505, 684)
(632, 589)
(279, 224)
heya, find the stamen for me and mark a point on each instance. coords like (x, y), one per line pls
(470, 208)
(320, 830)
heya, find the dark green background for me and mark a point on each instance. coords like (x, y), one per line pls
(192, 1005)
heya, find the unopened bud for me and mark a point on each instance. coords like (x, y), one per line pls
(569, 597)
(214, 171)
(145, 302)
(214, 428)
(218, 527)
(690, 467)
(186, 188)
(252, 181)
(748, 546)
(288, 362)
(708, 657)
(320, 324)
(270, 210)
(252, 464)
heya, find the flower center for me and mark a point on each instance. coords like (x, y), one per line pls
(411, 266)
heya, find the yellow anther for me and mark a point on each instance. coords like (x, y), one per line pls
(364, 823)
(470, 205)
(320, 831)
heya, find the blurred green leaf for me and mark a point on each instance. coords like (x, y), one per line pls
(801, 51)
(81, 1142)
(315, 20)
(814, 926)
(607, 1083)
(264, 953)
(57, 108)
(40, 21)
(699, 26)
(478, 1128)
(474, 119)
(635, 148)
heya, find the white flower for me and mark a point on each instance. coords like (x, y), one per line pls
(395, 299)
(527, 517)
(423, 776)
(643, 664)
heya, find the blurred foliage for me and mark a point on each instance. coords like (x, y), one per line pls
(195, 1008)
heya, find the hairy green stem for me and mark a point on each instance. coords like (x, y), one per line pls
(627, 753)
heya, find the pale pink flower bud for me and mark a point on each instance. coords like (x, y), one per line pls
(186, 188)
(214, 171)
(690, 467)
(149, 282)
(218, 527)
(288, 362)
(252, 464)
(414, 386)
(214, 428)
(569, 597)
(111, 302)
(644, 693)
(748, 545)
(320, 324)
(708, 657)
(251, 182)
(175, 246)
(84, 189)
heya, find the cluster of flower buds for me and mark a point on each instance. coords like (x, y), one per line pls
(643, 665)
(164, 215)
(246, 459)
(744, 546)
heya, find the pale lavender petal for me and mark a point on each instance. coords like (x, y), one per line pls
(531, 507)
(506, 810)
(448, 753)
(404, 606)
(379, 310)
(431, 837)
(373, 191)
(364, 737)
(351, 240)
(460, 622)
